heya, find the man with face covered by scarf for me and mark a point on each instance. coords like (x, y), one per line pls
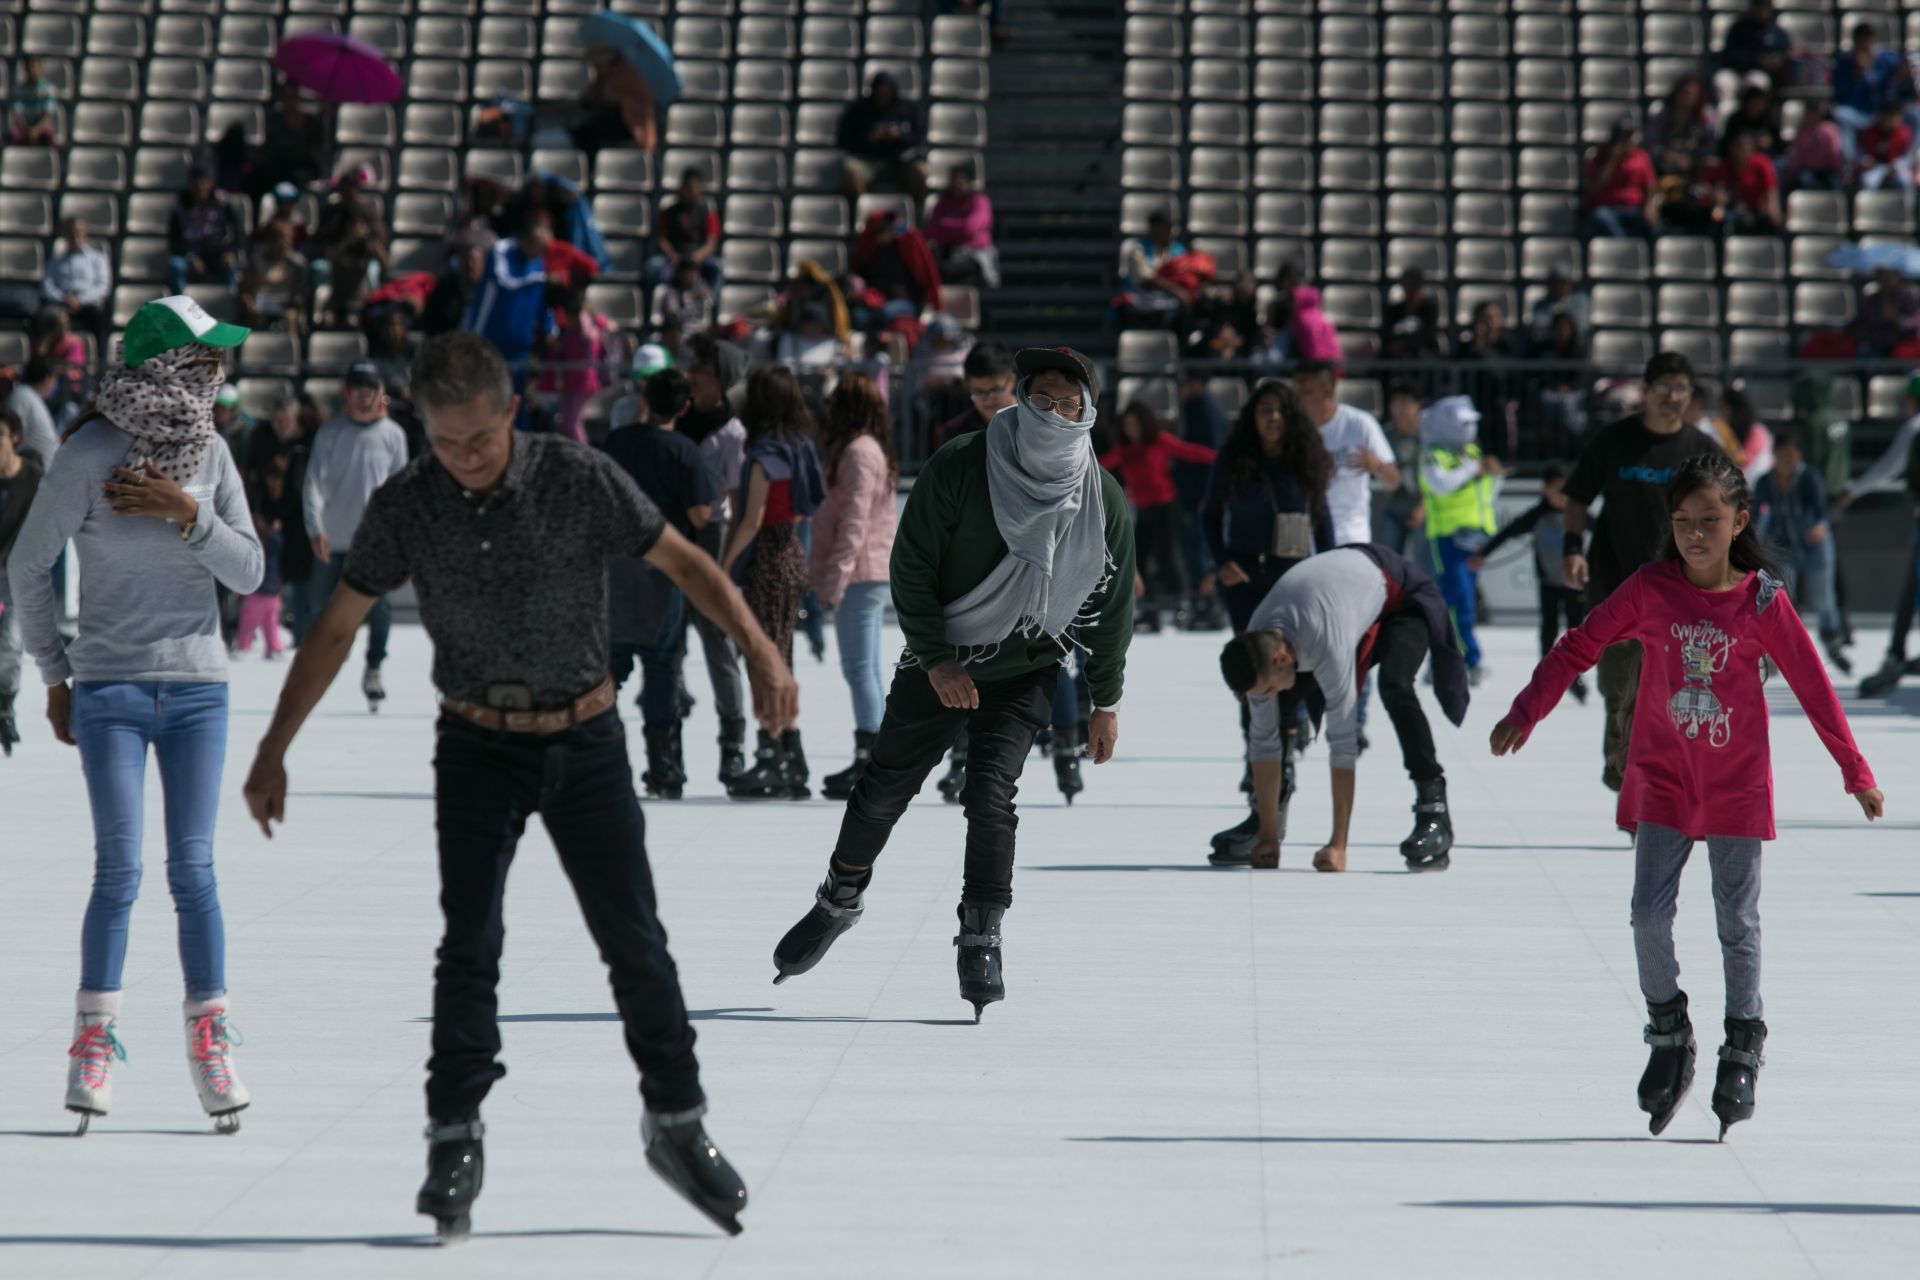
(1015, 548)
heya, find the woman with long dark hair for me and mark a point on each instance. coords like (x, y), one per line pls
(852, 543)
(780, 486)
(1143, 458)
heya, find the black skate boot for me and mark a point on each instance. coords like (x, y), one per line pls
(733, 756)
(456, 1165)
(793, 759)
(9, 727)
(768, 779)
(1669, 1073)
(684, 1156)
(372, 688)
(683, 701)
(837, 905)
(838, 786)
(956, 779)
(1886, 679)
(1579, 690)
(1043, 741)
(1427, 848)
(978, 960)
(1066, 763)
(664, 778)
(1836, 652)
(1234, 846)
(1740, 1064)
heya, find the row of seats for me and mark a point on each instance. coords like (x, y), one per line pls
(1308, 8)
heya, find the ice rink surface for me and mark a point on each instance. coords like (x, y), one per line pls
(1197, 1072)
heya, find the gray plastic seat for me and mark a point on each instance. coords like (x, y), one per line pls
(1547, 214)
(437, 80)
(1210, 124)
(1822, 305)
(1622, 352)
(1420, 80)
(1405, 37)
(1349, 125)
(1217, 214)
(1551, 124)
(1416, 214)
(622, 213)
(1540, 255)
(1622, 306)
(751, 261)
(959, 78)
(247, 36)
(52, 35)
(1754, 258)
(1686, 258)
(1152, 37)
(1283, 169)
(816, 169)
(817, 124)
(1618, 260)
(1356, 215)
(1542, 36)
(1350, 79)
(1350, 169)
(1817, 212)
(1608, 35)
(829, 81)
(1416, 169)
(822, 216)
(1428, 256)
(30, 213)
(429, 169)
(895, 38)
(1283, 214)
(1482, 124)
(959, 35)
(765, 38)
(1148, 351)
(1482, 214)
(1478, 78)
(1475, 36)
(107, 124)
(703, 81)
(1549, 169)
(758, 124)
(1752, 303)
(1695, 306)
(1883, 213)
(1482, 169)
(1209, 37)
(1415, 124)
(1284, 124)
(1217, 169)
(1350, 260)
(702, 38)
(432, 124)
(1221, 79)
(829, 37)
(1672, 35)
(1351, 307)
(1284, 37)
(385, 33)
(365, 126)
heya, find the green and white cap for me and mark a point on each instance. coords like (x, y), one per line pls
(167, 323)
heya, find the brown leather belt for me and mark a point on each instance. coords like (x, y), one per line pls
(544, 723)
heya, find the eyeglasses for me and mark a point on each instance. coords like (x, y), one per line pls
(1047, 404)
(990, 393)
(1672, 390)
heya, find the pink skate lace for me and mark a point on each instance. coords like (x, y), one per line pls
(96, 1047)
(211, 1037)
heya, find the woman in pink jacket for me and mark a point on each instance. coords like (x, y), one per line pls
(852, 543)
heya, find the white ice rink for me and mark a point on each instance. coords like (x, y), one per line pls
(1197, 1072)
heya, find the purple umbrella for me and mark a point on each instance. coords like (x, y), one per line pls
(338, 68)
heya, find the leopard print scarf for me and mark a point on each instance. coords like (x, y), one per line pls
(166, 405)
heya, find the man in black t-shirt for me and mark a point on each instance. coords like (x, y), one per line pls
(1628, 465)
(644, 608)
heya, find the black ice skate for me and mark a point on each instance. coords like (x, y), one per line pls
(1886, 679)
(1427, 848)
(1669, 1073)
(733, 756)
(838, 786)
(1740, 1064)
(9, 727)
(837, 905)
(684, 1156)
(665, 777)
(956, 779)
(455, 1167)
(1234, 846)
(779, 771)
(978, 959)
(372, 688)
(1066, 763)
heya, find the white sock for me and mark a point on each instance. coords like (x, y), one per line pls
(107, 1002)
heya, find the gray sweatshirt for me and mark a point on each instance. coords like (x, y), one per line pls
(1324, 604)
(147, 605)
(349, 461)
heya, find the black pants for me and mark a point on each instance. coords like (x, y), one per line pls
(915, 734)
(1903, 606)
(1398, 651)
(1557, 602)
(1156, 533)
(486, 785)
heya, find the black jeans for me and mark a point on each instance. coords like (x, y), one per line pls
(1398, 651)
(486, 785)
(1156, 533)
(914, 736)
(1555, 602)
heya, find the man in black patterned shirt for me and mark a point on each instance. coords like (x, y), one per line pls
(505, 537)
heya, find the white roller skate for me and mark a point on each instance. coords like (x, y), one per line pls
(90, 1060)
(210, 1057)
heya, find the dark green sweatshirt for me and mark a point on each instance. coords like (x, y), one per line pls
(948, 543)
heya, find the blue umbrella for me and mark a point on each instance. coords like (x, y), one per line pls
(1864, 260)
(640, 45)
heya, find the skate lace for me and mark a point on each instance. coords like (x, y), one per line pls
(96, 1048)
(212, 1039)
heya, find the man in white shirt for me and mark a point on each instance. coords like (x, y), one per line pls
(1888, 469)
(1361, 454)
(28, 400)
(80, 281)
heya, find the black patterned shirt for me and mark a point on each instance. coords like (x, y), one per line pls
(512, 588)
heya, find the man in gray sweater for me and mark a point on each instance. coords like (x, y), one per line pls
(352, 456)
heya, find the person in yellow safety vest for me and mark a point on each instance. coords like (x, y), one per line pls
(1457, 484)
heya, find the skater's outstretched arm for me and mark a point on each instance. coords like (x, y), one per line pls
(316, 662)
(776, 698)
(1792, 651)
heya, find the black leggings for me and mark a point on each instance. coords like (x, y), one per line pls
(1156, 540)
(1556, 601)
(1399, 650)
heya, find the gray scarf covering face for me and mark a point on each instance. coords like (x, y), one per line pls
(1045, 486)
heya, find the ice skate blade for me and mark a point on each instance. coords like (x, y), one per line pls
(86, 1119)
(453, 1231)
(1440, 863)
(725, 1221)
(227, 1122)
(781, 977)
(1657, 1123)
(979, 1007)
(1724, 1126)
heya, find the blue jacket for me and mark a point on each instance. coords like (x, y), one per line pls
(509, 309)
(1241, 527)
(1787, 516)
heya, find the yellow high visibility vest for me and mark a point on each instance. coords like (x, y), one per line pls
(1470, 507)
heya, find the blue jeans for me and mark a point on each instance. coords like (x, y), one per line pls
(1456, 584)
(1071, 702)
(658, 272)
(856, 624)
(1618, 223)
(1810, 576)
(659, 665)
(114, 722)
(320, 590)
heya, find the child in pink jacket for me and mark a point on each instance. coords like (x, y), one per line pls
(1706, 613)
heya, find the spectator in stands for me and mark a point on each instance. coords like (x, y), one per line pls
(275, 290)
(1889, 317)
(896, 270)
(578, 348)
(1755, 441)
(32, 110)
(1883, 151)
(284, 211)
(203, 235)
(809, 343)
(453, 291)
(937, 373)
(235, 425)
(1491, 391)
(1310, 333)
(1745, 190)
(688, 228)
(1681, 132)
(988, 370)
(391, 346)
(230, 160)
(568, 265)
(1817, 156)
(355, 262)
(1757, 43)
(1864, 77)
(883, 136)
(53, 341)
(1218, 338)
(1413, 329)
(1560, 398)
(1757, 115)
(509, 307)
(80, 281)
(1152, 299)
(1622, 191)
(1561, 298)
(959, 226)
(619, 103)
(295, 146)
(686, 299)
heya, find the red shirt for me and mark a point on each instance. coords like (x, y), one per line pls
(1884, 146)
(1699, 760)
(568, 265)
(1749, 186)
(1632, 181)
(1146, 470)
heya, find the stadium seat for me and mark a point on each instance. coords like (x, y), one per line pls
(1679, 257)
(1819, 305)
(1757, 304)
(1417, 124)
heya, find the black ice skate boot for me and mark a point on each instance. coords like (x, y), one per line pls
(838, 786)
(956, 779)
(1886, 679)
(456, 1165)
(664, 778)
(1234, 846)
(837, 905)
(768, 779)
(373, 688)
(9, 727)
(1427, 848)
(1669, 1073)
(733, 756)
(793, 761)
(1740, 1064)
(1066, 763)
(978, 959)
(684, 1156)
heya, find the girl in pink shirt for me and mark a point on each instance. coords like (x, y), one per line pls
(1706, 613)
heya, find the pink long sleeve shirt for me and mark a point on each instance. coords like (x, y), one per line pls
(853, 530)
(960, 224)
(1699, 760)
